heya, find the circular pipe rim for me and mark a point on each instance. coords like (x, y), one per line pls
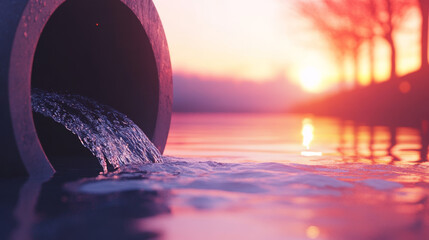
(35, 16)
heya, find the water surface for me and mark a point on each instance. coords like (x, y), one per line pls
(246, 176)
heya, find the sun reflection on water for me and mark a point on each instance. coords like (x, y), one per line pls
(307, 137)
(307, 132)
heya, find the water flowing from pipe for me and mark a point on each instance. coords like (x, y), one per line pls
(110, 135)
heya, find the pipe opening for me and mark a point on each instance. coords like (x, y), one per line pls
(97, 49)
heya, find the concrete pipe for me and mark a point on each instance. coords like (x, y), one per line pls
(113, 51)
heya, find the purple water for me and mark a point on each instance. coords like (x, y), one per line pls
(245, 176)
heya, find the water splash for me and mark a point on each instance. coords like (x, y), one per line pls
(110, 135)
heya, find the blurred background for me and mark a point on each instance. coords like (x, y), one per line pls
(297, 55)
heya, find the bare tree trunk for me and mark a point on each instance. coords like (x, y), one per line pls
(373, 14)
(356, 67)
(389, 38)
(341, 71)
(424, 34)
(342, 77)
(392, 56)
(372, 59)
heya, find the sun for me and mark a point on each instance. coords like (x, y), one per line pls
(310, 79)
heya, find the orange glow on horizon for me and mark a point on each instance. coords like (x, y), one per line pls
(310, 79)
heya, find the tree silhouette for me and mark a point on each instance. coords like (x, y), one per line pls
(388, 17)
(344, 29)
(347, 24)
(423, 7)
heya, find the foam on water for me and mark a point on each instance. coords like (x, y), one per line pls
(249, 178)
(110, 135)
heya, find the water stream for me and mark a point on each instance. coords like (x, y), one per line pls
(110, 135)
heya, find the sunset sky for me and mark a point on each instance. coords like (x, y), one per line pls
(264, 41)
